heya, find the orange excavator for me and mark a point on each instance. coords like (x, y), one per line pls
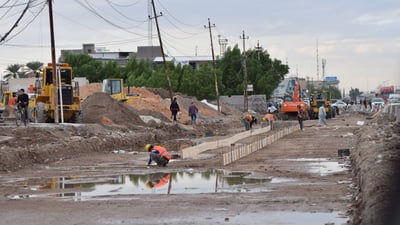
(291, 100)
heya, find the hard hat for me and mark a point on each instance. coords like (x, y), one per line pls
(148, 147)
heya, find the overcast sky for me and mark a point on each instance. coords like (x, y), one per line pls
(359, 39)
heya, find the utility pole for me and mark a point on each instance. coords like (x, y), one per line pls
(150, 25)
(162, 51)
(245, 104)
(53, 62)
(214, 65)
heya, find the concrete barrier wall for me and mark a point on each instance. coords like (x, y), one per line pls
(394, 109)
(193, 151)
(239, 151)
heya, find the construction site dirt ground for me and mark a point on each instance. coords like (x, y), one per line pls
(97, 174)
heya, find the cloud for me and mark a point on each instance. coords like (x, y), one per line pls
(381, 18)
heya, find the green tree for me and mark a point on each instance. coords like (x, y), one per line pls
(354, 93)
(85, 66)
(263, 72)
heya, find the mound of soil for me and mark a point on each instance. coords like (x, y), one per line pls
(101, 108)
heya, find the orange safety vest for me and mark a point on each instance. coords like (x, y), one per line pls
(269, 117)
(248, 117)
(162, 152)
(163, 180)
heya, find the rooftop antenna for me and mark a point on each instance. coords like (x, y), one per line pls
(323, 68)
(317, 62)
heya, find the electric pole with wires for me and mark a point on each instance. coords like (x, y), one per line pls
(214, 64)
(245, 103)
(162, 51)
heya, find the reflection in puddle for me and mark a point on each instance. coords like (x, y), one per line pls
(84, 188)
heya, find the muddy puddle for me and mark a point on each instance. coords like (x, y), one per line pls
(323, 166)
(80, 188)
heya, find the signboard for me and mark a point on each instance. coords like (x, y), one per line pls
(331, 78)
(249, 87)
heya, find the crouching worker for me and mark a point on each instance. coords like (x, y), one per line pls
(248, 121)
(159, 154)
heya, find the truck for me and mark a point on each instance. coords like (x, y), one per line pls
(69, 105)
(385, 91)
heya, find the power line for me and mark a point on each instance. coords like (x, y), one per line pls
(16, 23)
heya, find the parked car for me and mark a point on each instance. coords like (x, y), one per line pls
(377, 101)
(339, 104)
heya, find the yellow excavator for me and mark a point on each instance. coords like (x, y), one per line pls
(115, 88)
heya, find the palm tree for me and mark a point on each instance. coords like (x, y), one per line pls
(34, 66)
(12, 71)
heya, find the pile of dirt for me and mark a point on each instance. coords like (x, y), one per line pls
(89, 89)
(376, 161)
(101, 108)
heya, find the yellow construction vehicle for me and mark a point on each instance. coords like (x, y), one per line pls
(319, 98)
(44, 104)
(115, 88)
(7, 104)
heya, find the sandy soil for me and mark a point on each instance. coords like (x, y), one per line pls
(314, 185)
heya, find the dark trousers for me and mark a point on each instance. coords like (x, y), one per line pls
(161, 161)
(174, 114)
(301, 124)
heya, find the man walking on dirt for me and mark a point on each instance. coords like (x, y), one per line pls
(322, 116)
(300, 116)
(174, 107)
(193, 112)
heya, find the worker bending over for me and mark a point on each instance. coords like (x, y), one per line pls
(270, 118)
(159, 154)
(248, 121)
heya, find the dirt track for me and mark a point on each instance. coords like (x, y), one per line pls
(96, 174)
(312, 185)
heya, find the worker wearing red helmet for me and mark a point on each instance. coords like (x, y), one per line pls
(159, 154)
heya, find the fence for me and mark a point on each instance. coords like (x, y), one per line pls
(238, 151)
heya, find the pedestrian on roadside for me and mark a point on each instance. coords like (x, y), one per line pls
(158, 154)
(300, 116)
(174, 107)
(322, 116)
(193, 112)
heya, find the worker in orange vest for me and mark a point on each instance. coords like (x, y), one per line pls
(159, 154)
(158, 180)
(270, 118)
(248, 121)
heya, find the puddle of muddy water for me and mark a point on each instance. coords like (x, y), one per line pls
(323, 166)
(187, 182)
